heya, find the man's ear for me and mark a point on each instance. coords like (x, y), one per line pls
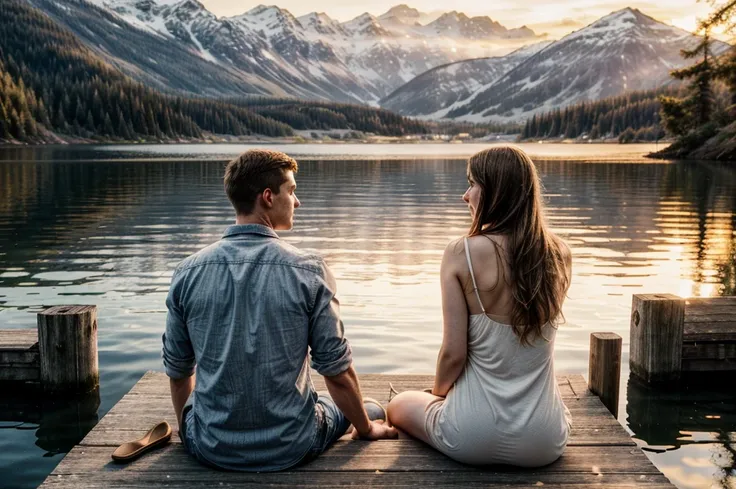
(267, 197)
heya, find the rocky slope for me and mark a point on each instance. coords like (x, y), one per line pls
(435, 90)
(626, 50)
(180, 45)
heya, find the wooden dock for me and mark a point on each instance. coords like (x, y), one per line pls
(19, 356)
(600, 453)
(672, 337)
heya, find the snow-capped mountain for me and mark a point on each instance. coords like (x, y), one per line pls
(367, 26)
(265, 50)
(321, 24)
(404, 20)
(625, 50)
(439, 88)
(457, 25)
(408, 16)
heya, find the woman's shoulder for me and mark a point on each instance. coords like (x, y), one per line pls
(483, 249)
(476, 244)
(487, 246)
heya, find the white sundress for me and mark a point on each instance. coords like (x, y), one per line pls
(505, 408)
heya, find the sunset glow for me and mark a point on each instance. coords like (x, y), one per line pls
(553, 17)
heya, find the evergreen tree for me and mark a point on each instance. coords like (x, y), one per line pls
(16, 125)
(89, 123)
(4, 122)
(675, 116)
(122, 130)
(41, 114)
(107, 128)
(48, 76)
(700, 102)
(724, 16)
(603, 118)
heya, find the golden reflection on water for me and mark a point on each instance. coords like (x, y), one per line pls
(111, 233)
(117, 230)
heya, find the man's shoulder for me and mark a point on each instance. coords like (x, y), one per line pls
(205, 255)
(291, 255)
(275, 252)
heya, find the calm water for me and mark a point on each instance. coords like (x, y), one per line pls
(107, 225)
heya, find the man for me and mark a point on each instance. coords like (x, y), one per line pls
(244, 312)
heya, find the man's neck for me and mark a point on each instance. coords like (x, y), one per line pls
(254, 218)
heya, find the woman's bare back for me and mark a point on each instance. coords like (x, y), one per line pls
(492, 275)
(490, 259)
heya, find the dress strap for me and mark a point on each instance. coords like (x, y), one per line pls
(472, 275)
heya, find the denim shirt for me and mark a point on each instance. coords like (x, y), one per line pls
(243, 312)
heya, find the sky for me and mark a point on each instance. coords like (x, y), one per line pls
(556, 17)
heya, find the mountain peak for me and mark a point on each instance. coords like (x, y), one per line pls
(268, 13)
(403, 12)
(321, 16)
(321, 23)
(185, 4)
(627, 14)
(365, 16)
(366, 25)
(261, 9)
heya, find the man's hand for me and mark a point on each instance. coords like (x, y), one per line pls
(378, 431)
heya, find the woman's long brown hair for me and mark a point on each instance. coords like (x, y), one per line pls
(511, 205)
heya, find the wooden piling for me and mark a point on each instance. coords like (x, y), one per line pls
(604, 368)
(67, 341)
(656, 337)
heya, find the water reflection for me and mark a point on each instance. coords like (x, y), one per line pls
(110, 233)
(689, 433)
(58, 424)
(115, 230)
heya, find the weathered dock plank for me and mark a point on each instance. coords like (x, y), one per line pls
(18, 337)
(600, 452)
(19, 356)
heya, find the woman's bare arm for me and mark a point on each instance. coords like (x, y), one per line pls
(454, 350)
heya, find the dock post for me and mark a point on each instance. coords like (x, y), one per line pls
(657, 322)
(67, 342)
(604, 368)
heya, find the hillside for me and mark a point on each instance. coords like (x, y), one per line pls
(53, 84)
(624, 51)
(267, 51)
(631, 117)
(441, 87)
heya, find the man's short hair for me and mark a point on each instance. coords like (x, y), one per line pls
(248, 175)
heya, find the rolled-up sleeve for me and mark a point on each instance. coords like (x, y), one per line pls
(330, 351)
(178, 354)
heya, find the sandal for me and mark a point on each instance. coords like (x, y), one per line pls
(157, 436)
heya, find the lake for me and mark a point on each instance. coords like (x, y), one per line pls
(106, 225)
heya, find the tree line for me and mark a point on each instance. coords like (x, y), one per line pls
(302, 115)
(634, 116)
(50, 81)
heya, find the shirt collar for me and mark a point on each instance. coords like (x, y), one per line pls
(259, 229)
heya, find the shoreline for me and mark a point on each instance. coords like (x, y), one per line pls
(329, 141)
(224, 151)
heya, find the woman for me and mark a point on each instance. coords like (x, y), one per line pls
(495, 398)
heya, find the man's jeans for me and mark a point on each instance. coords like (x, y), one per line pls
(331, 425)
